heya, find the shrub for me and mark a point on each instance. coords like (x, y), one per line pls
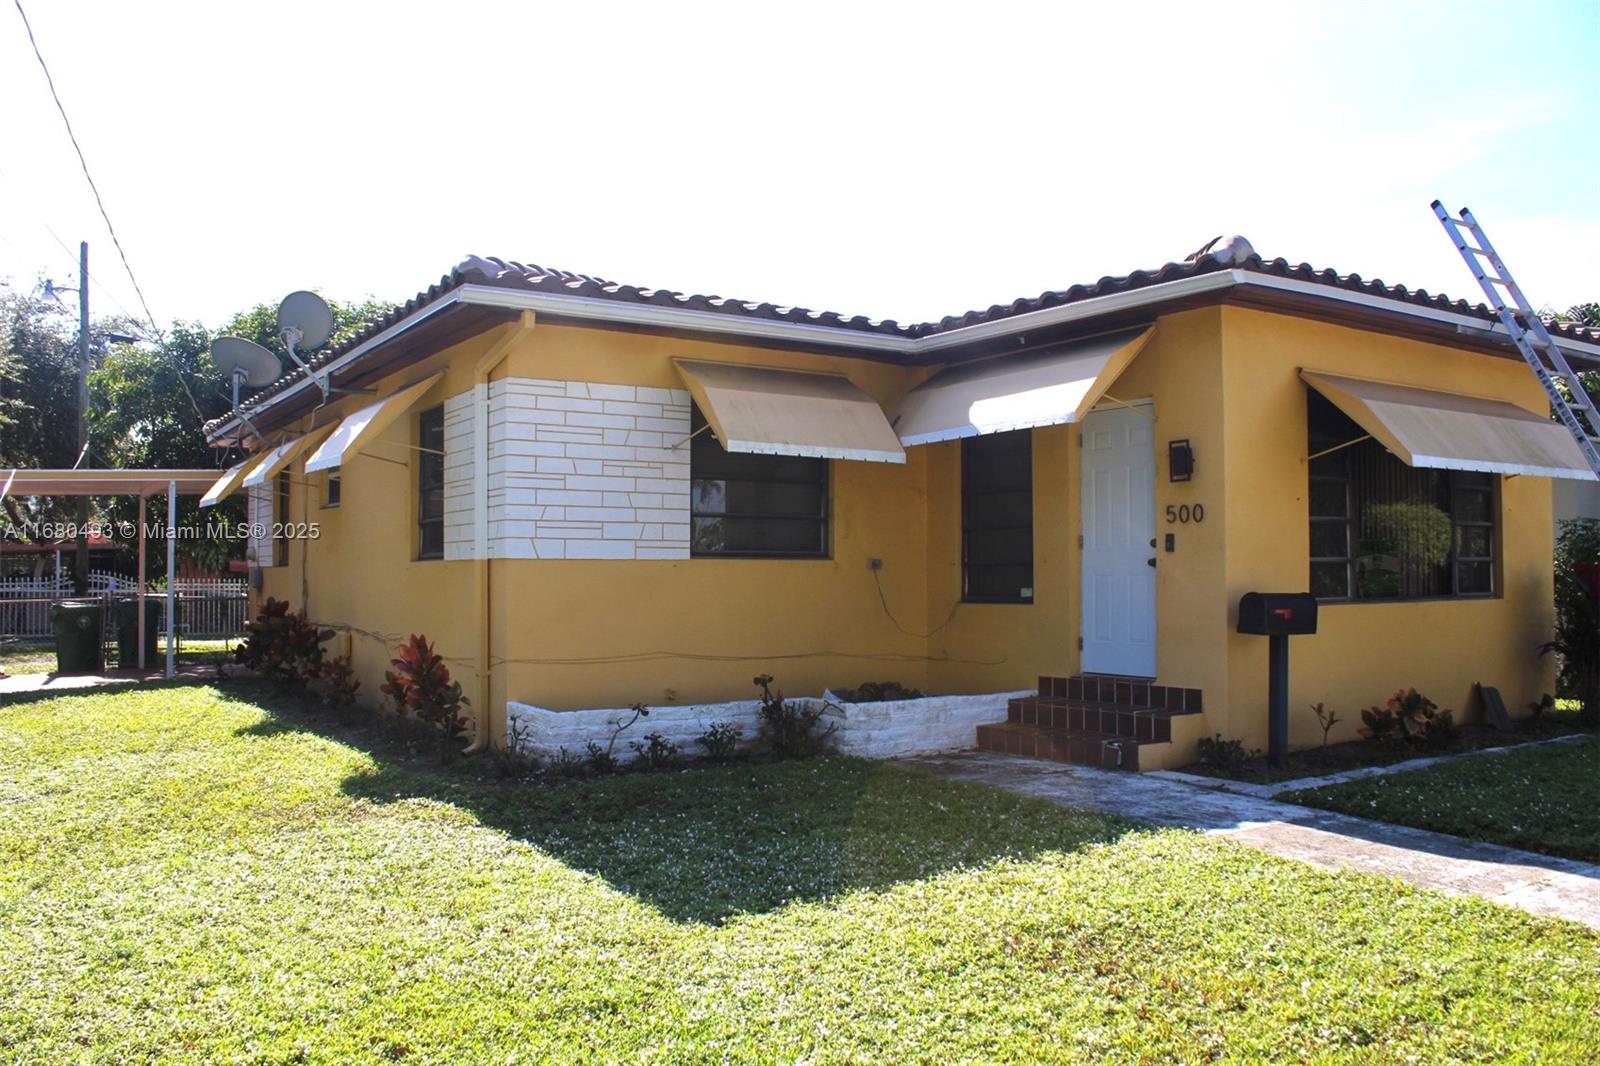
(655, 752)
(337, 683)
(567, 764)
(599, 760)
(1577, 637)
(512, 758)
(283, 647)
(1412, 717)
(1224, 754)
(1327, 720)
(720, 740)
(789, 730)
(877, 692)
(420, 686)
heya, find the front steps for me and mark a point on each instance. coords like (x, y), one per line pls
(1094, 721)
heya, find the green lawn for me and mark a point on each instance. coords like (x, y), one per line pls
(1356, 754)
(187, 876)
(1544, 799)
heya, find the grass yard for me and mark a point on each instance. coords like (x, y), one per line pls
(186, 875)
(1354, 754)
(1544, 799)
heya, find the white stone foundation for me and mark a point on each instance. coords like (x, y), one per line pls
(873, 730)
(914, 727)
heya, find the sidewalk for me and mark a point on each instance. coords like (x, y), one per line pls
(30, 683)
(1537, 883)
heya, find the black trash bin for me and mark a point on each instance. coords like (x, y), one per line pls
(77, 628)
(128, 624)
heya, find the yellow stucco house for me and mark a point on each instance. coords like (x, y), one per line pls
(590, 494)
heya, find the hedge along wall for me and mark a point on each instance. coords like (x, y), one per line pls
(873, 730)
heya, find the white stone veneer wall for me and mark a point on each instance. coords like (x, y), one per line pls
(577, 470)
(874, 730)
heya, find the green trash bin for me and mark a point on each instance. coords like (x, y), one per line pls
(128, 625)
(77, 627)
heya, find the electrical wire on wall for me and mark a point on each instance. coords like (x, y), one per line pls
(951, 617)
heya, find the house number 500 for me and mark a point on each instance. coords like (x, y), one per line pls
(1185, 513)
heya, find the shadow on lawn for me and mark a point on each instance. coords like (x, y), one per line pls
(707, 843)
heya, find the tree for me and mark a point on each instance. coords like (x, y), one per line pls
(38, 395)
(148, 402)
(142, 416)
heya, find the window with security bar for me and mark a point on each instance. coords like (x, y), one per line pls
(1382, 530)
(430, 484)
(755, 505)
(997, 517)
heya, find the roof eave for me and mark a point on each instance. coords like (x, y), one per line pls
(914, 351)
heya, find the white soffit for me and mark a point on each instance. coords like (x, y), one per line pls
(768, 411)
(1043, 388)
(1447, 431)
(359, 430)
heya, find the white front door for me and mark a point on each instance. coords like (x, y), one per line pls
(1119, 525)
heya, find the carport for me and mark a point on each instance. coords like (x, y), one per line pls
(140, 483)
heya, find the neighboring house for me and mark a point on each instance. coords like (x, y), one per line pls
(590, 494)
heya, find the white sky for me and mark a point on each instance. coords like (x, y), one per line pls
(905, 162)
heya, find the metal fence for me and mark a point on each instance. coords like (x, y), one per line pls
(206, 608)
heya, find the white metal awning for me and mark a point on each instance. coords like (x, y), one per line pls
(225, 485)
(362, 428)
(1044, 388)
(281, 456)
(1448, 431)
(769, 411)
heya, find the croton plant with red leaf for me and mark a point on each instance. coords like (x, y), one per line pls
(282, 646)
(420, 686)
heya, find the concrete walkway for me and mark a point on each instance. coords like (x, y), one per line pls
(1537, 883)
(16, 684)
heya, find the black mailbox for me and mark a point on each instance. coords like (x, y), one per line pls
(1278, 614)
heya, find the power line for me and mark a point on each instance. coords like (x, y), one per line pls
(99, 203)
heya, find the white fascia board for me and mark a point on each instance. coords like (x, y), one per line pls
(1384, 303)
(304, 382)
(639, 314)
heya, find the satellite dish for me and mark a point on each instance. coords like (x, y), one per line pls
(246, 360)
(305, 321)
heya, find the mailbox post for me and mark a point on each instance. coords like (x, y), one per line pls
(1277, 616)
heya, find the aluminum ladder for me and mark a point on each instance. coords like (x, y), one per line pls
(1527, 331)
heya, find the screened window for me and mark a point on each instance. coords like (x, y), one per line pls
(280, 515)
(331, 489)
(771, 505)
(997, 517)
(1382, 530)
(430, 484)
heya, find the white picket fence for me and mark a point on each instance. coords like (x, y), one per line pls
(210, 607)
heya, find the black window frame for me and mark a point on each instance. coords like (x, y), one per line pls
(708, 460)
(430, 483)
(1012, 450)
(280, 514)
(1344, 448)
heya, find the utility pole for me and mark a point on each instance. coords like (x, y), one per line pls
(80, 577)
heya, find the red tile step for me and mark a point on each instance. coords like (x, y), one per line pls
(1089, 721)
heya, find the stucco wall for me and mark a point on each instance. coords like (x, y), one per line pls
(678, 631)
(1364, 651)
